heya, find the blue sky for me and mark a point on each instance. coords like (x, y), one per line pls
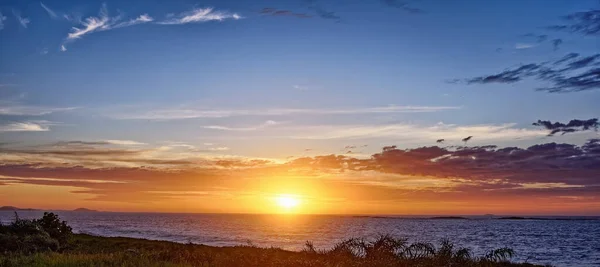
(244, 79)
(351, 106)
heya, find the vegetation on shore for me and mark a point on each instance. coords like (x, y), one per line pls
(49, 242)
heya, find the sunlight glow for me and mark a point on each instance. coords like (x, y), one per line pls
(287, 202)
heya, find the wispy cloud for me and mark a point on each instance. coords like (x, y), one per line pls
(524, 46)
(173, 114)
(242, 129)
(103, 22)
(568, 74)
(50, 12)
(23, 21)
(57, 15)
(139, 20)
(37, 126)
(2, 19)
(221, 148)
(78, 143)
(125, 142)
(20, 110)
(200, 15)
(300, 87)
(585, 23)
(280, 12)
(556, 43)
(403, 5)
(419, 134)
(322, 12)
(92, 24)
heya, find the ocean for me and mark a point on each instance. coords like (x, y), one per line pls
(561, 242)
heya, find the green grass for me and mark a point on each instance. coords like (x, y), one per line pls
(86, 250)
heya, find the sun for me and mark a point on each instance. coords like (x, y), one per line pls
(287, 202)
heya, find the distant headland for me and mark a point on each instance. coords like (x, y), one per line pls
(12, 208)
(84, 210)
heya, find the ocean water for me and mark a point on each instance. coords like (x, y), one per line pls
(556, 242)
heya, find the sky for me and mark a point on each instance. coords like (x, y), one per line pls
(346, 106)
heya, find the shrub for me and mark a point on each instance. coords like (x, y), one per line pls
(56, 228)
(29, 236)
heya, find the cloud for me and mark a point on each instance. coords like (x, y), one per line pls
(582, 63)
(588, 80)
(63, 48)
(563, 165)
(200, 15)
(97, 143)
(23, 110)
(326, 14)
(567, 57)
(467, 174)
(92, 24)
(403, 5)
(556, 43)
(524, 46)
(50, 12)
(287, 13)
(507, 76)
(145, 18)
(242, 129)
(180, 145)
(321, 12)
(174, 114)
(540, 38)
(568, 74)
(125, 142)
(221, 148)
(561, 76)
(585, 23)
(23, 21)
(25, 127)
(2, 19)
(79, 143)
(57, 15)
(300, 87)
(571, 127)
(103, 22)
(409, 133)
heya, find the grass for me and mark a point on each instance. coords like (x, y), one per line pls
(87, 250)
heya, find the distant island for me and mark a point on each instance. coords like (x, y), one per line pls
(84, 210)
(11, 208)
(547, 219)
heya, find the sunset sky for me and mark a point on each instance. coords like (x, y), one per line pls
(303, 106)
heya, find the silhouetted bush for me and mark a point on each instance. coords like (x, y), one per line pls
(29, 236)
(56, 228)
